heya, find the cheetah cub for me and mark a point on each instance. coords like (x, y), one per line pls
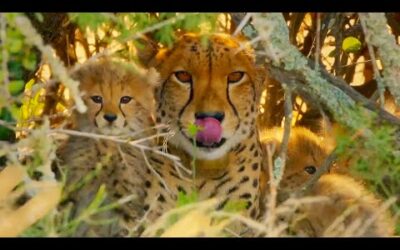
(350, 208)
(121, 104)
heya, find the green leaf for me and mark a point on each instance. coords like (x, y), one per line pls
(351, 44)
(193, 129)
(15, 87)
(29, 61)
(332, 53)
(6, 133)
(235, 206)
(15, 45)
(184, 199)
(39, 17)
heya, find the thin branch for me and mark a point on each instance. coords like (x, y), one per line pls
(318, 46)
(378, 78)
(155, 27)
(159, 177)
(322, 170)
(4, 59)
(33, 37)
(114, 139)
(298, 81)
(144, 218)
(242, 23)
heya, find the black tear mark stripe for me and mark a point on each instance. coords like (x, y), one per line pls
(162, 92)
(231, 104)
(188, 101)
(95, 122)
(120, 109)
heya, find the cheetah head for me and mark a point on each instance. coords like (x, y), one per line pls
(119, 101)
(213, 81)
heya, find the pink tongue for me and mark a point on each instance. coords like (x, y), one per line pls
(210, 132)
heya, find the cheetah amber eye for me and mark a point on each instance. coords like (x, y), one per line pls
(125, 99)
(235, 77)
(97, 99)
(183, 76)
(310, 169)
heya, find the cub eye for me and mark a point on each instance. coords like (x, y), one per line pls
(183, 76)
(310, 169)
(97, 99)
(125, 99)
(235, 77)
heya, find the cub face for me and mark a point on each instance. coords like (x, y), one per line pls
(208, 77)
(306, 153)
(118, 99)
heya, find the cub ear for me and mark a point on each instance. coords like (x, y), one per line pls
(328, 131)
(153, 77)
(146, 50)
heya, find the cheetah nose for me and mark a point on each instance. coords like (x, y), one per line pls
(110, 117)
(216, 115)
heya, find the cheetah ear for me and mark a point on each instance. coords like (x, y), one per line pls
(146, 51)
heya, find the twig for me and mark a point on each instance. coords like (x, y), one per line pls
(4, 59)
(378, 78)
(324, 169)
(274, 182)
(238, 217)
(294, 78)
(368, 223)
(114, 139)
(155, 27)
(287, 124)
(269, 219)
(33, 37)
(317, 49)
(242, 23)
(155, 172)
(144, 218)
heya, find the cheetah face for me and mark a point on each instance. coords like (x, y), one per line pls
(210, 82)
(118, 100)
